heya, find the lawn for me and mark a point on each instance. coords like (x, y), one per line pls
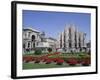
(39, 66)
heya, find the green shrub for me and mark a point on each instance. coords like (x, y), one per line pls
(38, 52)
(49, 49)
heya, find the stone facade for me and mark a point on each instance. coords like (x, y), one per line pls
(72, 40)
(33, 39)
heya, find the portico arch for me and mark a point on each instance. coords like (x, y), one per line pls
(33, 40)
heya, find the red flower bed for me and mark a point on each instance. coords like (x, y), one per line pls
(86, 62)
(72, 61)
(79, 61)
(48, 61)
(55, 59)
(37, 60)
(60, 61)
(28, 58)
(44, 59)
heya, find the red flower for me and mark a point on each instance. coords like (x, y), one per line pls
(48, 61)
(28, 58)
(45, 59)
(86, 61)
(60, 61)
(72, 61)
(79, 61)
(37, 60)
(54, 59)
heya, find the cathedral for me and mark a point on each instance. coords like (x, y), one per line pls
(72, 40)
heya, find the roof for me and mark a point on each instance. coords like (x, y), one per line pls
(51, 38)
(31, 29)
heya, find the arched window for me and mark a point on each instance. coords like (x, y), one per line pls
(33, 38)
(28, 44)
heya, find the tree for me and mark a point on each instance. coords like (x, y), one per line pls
(49, 49)
(38, 52)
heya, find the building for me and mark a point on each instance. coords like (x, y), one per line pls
(52, 43)
(33, 39)
(88, 44)
(69, 40)
(48, 43)
(72, 40)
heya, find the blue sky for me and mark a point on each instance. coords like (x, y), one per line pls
(52, 23)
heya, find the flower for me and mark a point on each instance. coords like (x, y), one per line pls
(55, 59)
(48, 61)
(60, 61)
(72, 61)
(28, 58)
(37, 60)
(86, 62)
(44, 59)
